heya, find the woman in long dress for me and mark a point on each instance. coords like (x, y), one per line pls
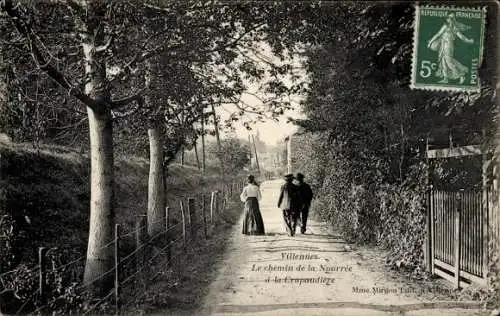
(443, 43)
(252, 221)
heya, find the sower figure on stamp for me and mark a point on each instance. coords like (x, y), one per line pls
(289, 204)
(443, 42)
(305, 197)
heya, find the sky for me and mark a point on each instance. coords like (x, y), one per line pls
(270, 131)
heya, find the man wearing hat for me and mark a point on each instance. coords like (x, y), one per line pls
(288, 202)
(305, 195)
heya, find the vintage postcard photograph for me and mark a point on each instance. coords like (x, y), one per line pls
(227, 157)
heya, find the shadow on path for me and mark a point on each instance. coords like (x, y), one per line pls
(293, 248)
(330, 305)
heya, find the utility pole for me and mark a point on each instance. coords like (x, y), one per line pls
(250, 147)
(256, 158)
(289, 154)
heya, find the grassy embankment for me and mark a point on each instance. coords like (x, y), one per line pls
(45, 203)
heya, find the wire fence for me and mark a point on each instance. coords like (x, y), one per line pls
(64, 287)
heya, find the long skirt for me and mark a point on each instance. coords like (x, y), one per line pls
(252, 222)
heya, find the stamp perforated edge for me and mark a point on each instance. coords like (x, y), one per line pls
(439, 88)
(415, 47)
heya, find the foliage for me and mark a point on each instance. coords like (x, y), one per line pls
(365, 155)
(370, 127)
(235, 155)
(56, 209)
(402, 221)
(7, 242)
(193, 55)
(493, 264)
(103, 54)
(17, 287)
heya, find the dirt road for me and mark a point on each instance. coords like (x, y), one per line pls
(310, 274)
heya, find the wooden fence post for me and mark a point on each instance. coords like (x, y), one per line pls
(140, 231)
(203, 212)
(192, 217)
(217, 202)
(117, 268)
(183, 213)
(457, 240)
(167, 218)
(428, 222)
(212, 207)
(167, 227)
(432, 221)
(484, 212)
(42, 251)
(223, 203)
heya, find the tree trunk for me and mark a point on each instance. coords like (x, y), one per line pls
(102, 216)
(494, 254)
(203, 165)
(4, 87)
(219, 145)
(196, 155)
(156, 186)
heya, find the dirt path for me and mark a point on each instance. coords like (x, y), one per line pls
(330, 278)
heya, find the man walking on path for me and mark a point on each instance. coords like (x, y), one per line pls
(306, 195)
(289, 203)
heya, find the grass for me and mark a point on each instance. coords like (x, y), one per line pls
(46, 193)
(178, 289)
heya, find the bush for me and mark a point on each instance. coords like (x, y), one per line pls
(402, 229)
(391, 215)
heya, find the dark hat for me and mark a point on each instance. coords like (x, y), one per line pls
(289, 176)
(300, 176)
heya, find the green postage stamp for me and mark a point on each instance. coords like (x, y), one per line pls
(447, 48)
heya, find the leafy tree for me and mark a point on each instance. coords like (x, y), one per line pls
(235, 155)
(96, 52)
(370, 128)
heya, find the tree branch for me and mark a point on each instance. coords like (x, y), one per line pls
(105, 46)
(184, 54)
(72, 5)
(137, 97)
(120, 115)
(25, 31)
